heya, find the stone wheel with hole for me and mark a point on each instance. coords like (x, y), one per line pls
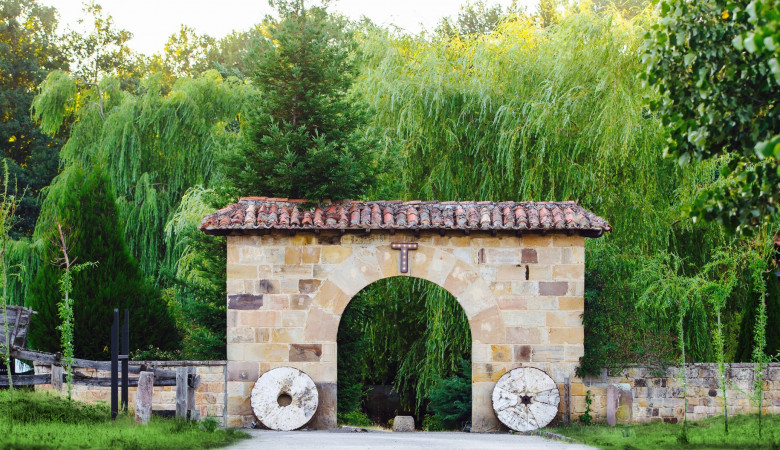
(284, 399)
(525, 399)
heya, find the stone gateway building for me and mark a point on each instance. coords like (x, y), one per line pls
(516, 269)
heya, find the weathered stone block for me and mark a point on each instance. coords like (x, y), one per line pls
(403, 424)
(266, 352)
(241, 271)
(292, 255)
(501, 353)
(277, 302)
(260, 319)
(511, 302)
(286, 335)
(557, 288)
(310, 255)
(321, 326)
(564, 319)
(308, 286)
(543, 353)
(294, 319)
(266, 287)
(524, 335)
(522, 353)
(568, 271)
(529, 255)
(300, 302)
(305, 352)
(571, 304)
(245, 301)
(334, 254)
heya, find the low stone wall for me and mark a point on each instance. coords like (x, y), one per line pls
(657, 394)
(210, 396)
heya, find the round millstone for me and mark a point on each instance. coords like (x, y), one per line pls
(284, 399)
(525, 399)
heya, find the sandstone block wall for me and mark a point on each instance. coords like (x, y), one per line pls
(523, 297)
(657, 394)
(210, 396)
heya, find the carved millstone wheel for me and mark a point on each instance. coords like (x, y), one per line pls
(525, 399)
(284, 399)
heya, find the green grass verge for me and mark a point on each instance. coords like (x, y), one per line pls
(43, 420)
(702, 434)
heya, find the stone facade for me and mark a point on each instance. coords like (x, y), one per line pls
(210, 396)
(523, 297)
(657, 395)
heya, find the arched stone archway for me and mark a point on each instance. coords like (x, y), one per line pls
(290, 280)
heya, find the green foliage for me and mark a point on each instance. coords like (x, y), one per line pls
(450, 399)
(705, 433)
(83, 203)
(29, 49)
(718, 101)
(8, 205)
(432, 422)
(210, 424)
(65, 307)
(305, 140)
(586, 418)
(99, 49)
(354, 418)
(401, 331)
(475, 18)
(153, 145)
(47, 420)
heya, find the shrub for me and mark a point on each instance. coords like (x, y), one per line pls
(451, 399)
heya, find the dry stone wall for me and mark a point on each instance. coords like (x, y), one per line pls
(657, 394)
(210, 396)
(523, 297)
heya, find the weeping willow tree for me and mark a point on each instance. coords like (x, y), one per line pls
(402, 331)
(525, 114)
(556, 113)
(154, 145)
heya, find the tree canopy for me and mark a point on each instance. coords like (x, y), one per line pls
(715, 65)
(305, 138)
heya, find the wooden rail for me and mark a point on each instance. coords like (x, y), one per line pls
(162, 377)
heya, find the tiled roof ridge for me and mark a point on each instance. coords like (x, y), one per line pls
(264, 213)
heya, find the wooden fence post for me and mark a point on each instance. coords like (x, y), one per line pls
(194, 414)
(182, 388)
(56, 377)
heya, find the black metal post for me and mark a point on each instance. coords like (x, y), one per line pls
(115, 365)
(125, 357)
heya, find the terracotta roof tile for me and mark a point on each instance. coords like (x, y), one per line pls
(260, 213)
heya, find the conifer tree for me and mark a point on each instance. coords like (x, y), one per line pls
(305, 139)
(86, 207)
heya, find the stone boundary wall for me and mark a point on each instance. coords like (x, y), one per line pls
(210, 396)
(657, 395)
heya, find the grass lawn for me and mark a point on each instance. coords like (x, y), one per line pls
(43, 420)
(702, 434)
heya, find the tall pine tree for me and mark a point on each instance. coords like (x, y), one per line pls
(305, 140)
(86, 208)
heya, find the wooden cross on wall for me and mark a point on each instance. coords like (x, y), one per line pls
(404, 260)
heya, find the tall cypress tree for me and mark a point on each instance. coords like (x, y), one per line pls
(86, 208)
(305, 139)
